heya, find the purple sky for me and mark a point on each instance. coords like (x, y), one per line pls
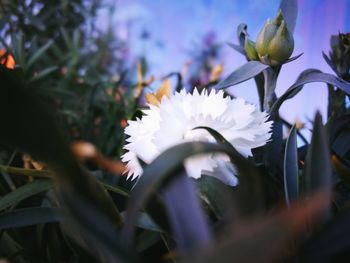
(175, 25)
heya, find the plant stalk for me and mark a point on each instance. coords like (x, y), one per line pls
(270, 80)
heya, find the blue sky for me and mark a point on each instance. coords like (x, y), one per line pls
(175, 25)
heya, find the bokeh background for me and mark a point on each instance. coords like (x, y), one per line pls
(167, 31)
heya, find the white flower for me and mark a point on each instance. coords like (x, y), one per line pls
(172, 122)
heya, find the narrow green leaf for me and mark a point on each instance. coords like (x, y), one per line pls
(38, 53)
(243, 73)
(24, 192)
(76, 38)
(242, 33)
(218, 137)
(182, 206)
(289, 10)
(25, 172)
(97, 226)
(48, 174)
(68, 42)
(145, 221)
(114, 189)
(19, 50)
(293, 58)
(318, 171)
(329, 62)
(275, 147)
(238, 48)
(8, 244)
(309, 76)
(146, 239)
(215, 193)
(44, 73)
(30, 216)
(290, 168)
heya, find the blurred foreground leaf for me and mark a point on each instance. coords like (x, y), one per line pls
(265, 239)
(183, 209)
(30, 216)
(24, 192)
(29, 125)
(166, 166)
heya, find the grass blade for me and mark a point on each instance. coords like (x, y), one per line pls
(23, 192)
(30, 216)
(290, 168)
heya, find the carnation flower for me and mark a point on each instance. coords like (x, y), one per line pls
(173, 121)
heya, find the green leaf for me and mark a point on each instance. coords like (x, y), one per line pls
(248, 195)
(289, 10)
(19, 49)
(145, 221)
(182, 206)
(318, 171)
(30, 216)
(145, 240)
(165, 166)
(215, 193)
(24, 192)
(97, 226)
(309, 76)
(114, 189)
(68, 42)
(38, 53)
(44, 73)
(218, 138)
(290, 170)
(293, 58)
(260, 82)
(8, 244)
(238, 48)
(330, 63)
(243, 73)
(242, 33)
(48, 174)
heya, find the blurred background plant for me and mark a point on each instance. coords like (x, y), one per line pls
(67, 90)
(65, 58)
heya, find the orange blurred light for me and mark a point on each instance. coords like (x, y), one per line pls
(123, 123)
(7, 60)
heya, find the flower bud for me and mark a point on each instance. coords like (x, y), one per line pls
(275, 43)
(339, 56)
(250, 50)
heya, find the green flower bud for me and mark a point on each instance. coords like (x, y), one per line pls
(249, 47)
(275, 43)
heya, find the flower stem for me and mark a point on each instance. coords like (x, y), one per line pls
(270, 78)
